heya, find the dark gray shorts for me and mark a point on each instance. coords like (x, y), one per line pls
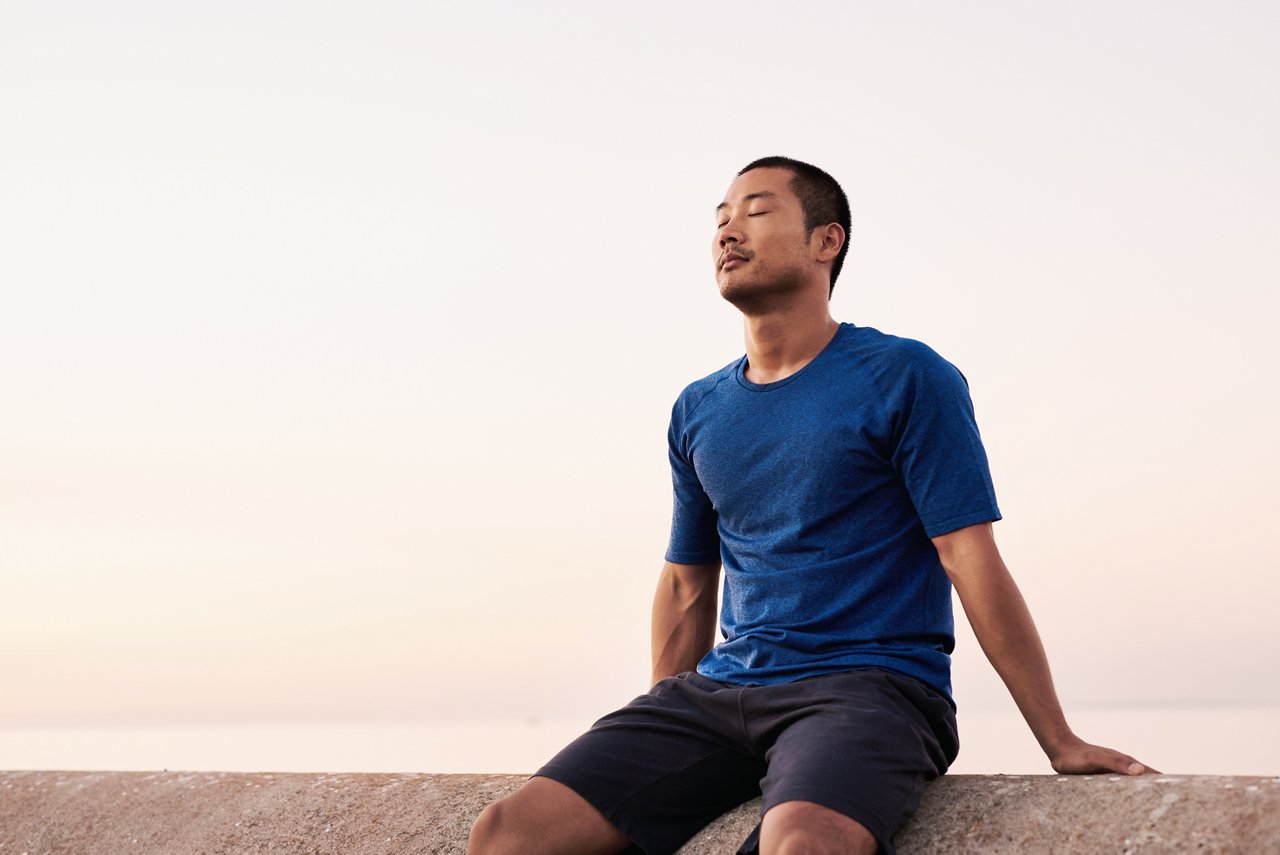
(859, 742)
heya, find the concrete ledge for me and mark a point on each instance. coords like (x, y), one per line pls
(212, 812)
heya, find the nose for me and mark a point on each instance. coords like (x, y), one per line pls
(728, 234)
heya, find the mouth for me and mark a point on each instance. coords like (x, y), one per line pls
(730, 260)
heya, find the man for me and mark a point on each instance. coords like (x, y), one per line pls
(837, 475)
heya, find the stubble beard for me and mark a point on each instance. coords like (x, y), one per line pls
(754, 297)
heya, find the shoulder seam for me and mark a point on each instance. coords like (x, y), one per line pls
(725, 374)
(882, 400)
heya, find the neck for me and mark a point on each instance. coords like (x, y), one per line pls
(780, 343)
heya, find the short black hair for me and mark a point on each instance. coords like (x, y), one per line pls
(821, 197)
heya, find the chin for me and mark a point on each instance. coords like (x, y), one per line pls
(755, 298)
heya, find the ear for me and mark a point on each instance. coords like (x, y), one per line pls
(827, 241)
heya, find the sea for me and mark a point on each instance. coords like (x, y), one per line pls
(1189, 741)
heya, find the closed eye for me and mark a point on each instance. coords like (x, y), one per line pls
(753, 214)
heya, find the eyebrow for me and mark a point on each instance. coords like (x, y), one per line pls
(763, 194)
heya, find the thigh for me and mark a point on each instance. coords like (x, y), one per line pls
(862, 744)
(665, 765)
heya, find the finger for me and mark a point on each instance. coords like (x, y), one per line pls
(1125, 764)
(1122, 763)
(1134, 767)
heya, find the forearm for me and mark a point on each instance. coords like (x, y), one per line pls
(1004, 628)
(1007, 633)
(684, 617)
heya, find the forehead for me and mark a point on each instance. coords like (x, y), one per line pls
(771, 180)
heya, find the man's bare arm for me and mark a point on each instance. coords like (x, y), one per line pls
(1003, 626)
(684, 617)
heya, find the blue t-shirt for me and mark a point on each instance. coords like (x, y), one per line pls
(819, 493)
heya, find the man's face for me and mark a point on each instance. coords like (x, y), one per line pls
(760, 247)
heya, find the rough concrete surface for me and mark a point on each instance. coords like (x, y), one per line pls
(214, 812)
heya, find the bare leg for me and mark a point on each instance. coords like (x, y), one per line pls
(544, 817)
(798, 827)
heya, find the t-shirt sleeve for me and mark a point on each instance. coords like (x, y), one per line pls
(936, 445)
(694, 536)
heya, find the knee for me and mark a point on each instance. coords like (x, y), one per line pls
(803, 828)
(542, 817)
(491, 833)
(805, 842)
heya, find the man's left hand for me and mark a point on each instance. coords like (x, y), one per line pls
(1082, 758)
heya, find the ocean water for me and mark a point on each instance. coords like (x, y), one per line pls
(1203, 740)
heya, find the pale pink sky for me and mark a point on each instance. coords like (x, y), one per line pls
(340, 339)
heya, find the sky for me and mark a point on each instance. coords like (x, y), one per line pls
(339, 340)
